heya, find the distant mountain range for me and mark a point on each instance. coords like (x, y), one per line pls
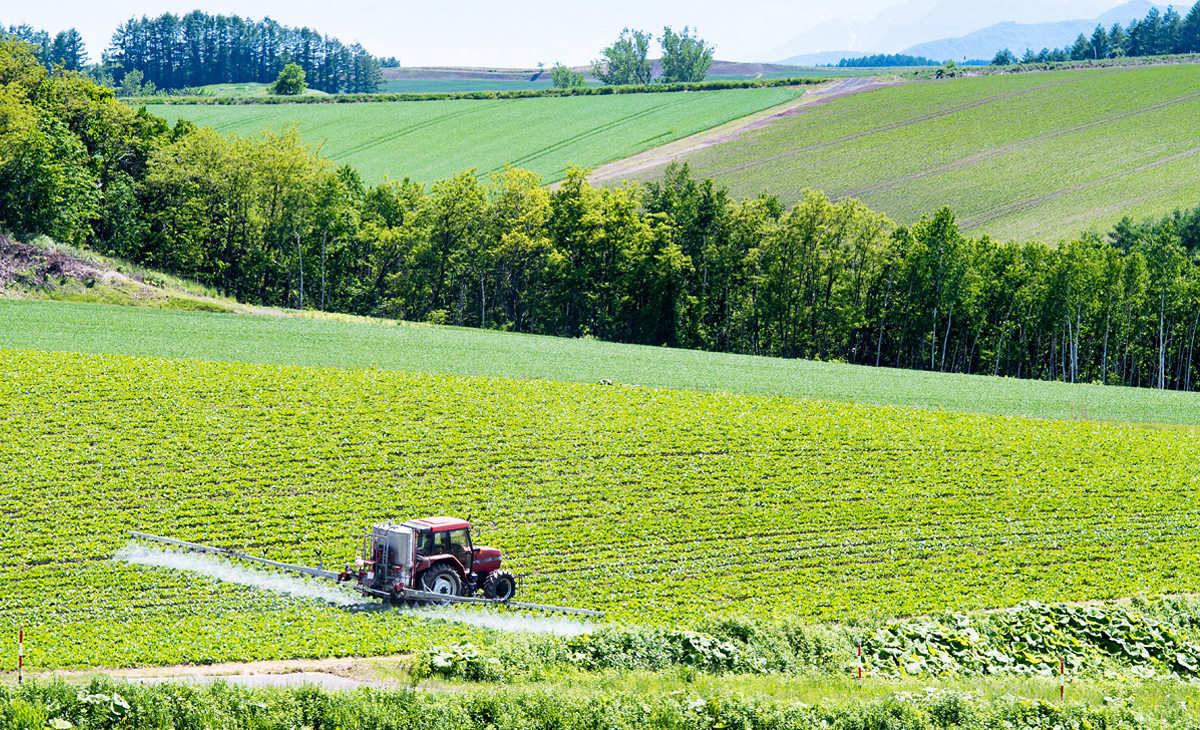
(957, 29)
(1017, 37)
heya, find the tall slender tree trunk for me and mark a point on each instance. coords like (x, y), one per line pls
(887, 300)
(946, 342)
(933, 340)
(1104, 358)
(300, 256)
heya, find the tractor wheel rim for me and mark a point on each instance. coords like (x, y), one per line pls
(443, 586)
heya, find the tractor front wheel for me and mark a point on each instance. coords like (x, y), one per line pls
(500, 585)
(443, 580)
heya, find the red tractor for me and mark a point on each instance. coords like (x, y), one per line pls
(431, 560)
(429, 555)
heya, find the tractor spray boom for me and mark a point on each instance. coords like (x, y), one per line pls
(423, 561)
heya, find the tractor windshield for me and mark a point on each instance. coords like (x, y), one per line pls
(460, 545)
(451, 542)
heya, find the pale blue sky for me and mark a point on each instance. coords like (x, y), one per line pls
(516, 32)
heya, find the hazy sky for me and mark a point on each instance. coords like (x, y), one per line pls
(461, 32)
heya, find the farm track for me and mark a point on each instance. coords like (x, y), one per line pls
(660, 156)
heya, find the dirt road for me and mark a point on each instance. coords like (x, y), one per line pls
(660, 156)
(330, 674)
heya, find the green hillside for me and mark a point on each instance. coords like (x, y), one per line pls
(1022, 156)
(59, 326)
(657, 506)
(432, 140)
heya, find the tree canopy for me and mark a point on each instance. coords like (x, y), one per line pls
(564, 78)
(290, 81)
(625, 62)
(686, 58)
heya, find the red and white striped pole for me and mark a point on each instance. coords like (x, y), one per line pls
(1062, 679)
(20, 652)
(860, 665)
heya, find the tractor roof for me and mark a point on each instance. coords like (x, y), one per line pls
(439, 524)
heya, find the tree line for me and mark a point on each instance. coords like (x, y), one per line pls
(1158, 34)
(65, 49)
(674, 262)
(883, 60)
(198, 49)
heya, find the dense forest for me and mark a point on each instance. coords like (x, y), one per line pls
(197, 49)
(675, 262)
(1157, 34)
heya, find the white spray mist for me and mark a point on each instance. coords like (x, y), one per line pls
(510, 622)
(222, 570)
(298, 586)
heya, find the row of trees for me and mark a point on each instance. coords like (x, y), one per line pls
(1156, 35)
(198, 49)
(65, 49)
(674, 262)
(884, 60)
(685, 58)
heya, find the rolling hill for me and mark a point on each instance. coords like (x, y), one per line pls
(1027, 156)
(431, 140)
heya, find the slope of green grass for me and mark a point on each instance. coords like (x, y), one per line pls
(431, 140)
(1037, 155)
(55, 326)
(655, 505)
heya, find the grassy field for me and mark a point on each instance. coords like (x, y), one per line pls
(1036, 155)
(657, 506)
(55, 326)
(431, 140)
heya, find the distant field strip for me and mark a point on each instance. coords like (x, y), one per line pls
(60, 326)
(431, 140)
(1000, 151)
(1038, 155)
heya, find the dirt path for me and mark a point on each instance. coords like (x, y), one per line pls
(730, 130)
(274, 672)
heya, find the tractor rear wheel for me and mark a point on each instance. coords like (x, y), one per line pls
(442, 579)
(500, 585)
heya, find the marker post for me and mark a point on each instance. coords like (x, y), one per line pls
(1062, 679)
(860, 665)
(20, 652)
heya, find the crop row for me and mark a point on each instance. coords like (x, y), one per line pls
(654, 505)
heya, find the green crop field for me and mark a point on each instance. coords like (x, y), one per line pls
(61, 326)
(657, 506)
(1036, 155)
(431, 140)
